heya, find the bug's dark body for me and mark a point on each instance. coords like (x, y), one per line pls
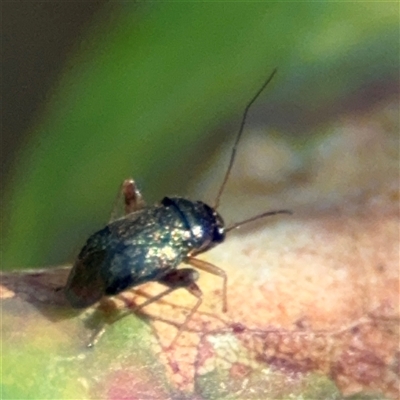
(149, 243)
(143, 246)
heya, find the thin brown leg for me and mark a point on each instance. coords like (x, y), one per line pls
(133, 200)
(100, 331)
(176, 279)
(197, 293)
(212, 269)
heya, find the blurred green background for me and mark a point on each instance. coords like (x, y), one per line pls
(153, 90)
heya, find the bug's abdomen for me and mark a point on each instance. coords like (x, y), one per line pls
(85, 285)
(137, 261)
(130, 251)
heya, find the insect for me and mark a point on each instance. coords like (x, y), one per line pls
(150, 242)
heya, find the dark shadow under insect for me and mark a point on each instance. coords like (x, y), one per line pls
(149, 243)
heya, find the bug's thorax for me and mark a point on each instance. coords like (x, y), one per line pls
(206, 226)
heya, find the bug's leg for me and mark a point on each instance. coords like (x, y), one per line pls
(212, 269)
(96, 336)
(101, 327)
(176, 279)
(180, 278)
(133, 199)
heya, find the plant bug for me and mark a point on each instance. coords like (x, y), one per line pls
(150, 242)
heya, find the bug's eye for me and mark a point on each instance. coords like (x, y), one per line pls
(218, 232)
(218, 235)
(219, 229)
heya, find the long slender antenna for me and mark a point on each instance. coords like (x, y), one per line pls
(233, 154)
(266, 214)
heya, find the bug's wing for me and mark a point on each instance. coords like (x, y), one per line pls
(85, 285)
(129, 225)
(139, 249)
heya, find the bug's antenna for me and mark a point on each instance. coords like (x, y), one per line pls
(265, 214)
(233, 154)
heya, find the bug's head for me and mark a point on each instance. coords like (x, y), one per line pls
(217, 224)
(206, 226)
